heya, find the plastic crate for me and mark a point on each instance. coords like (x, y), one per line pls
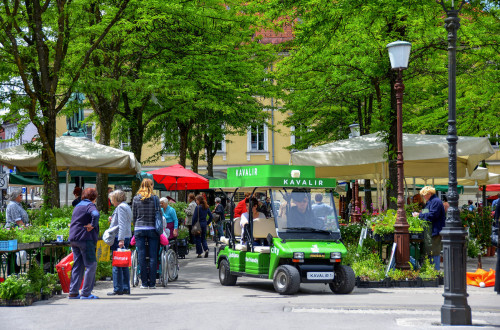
(8, 245)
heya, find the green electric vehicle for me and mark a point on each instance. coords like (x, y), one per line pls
(299, 241)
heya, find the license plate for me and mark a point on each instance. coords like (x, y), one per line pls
(320, 275)
(317, 255)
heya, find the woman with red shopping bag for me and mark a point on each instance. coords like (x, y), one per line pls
(121, 217)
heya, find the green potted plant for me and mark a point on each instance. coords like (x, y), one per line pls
(13, 291)
(428, 274)
(369, 271)
(383, 227)
(417, 227)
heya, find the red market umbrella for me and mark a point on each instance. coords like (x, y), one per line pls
(176, 177)
(491, 187)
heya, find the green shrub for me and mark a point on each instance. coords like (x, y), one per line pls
(44, 216)
(103, 223)
(427, 271)
(350, 233)
(7, 234)
(368, 267)
(403, 274)
(183, 232)
(474, 248)
(104, 269)
(383, 224)
(179, 208)
(417, 225)
(14, 288)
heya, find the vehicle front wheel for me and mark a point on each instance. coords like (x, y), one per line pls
(286, 280)
(344, 280)
(225, 276)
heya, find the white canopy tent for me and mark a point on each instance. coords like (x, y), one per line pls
(75, 154)
(480, 176)
(364, 157)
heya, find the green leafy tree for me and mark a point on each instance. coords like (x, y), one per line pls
(337, 70)
(42, 46)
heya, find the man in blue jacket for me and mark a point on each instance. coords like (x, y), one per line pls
(433, 212)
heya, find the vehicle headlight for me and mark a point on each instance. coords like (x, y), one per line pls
(298, 257)
(335, 257)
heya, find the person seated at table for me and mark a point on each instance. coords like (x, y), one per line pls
(15, 215)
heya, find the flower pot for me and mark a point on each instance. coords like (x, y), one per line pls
(385, 283)
(384, 238)
(16, 302)
(416, 236)
(405, 284)
(429, 283)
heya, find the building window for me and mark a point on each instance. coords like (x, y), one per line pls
(257, 138)
(257, 141)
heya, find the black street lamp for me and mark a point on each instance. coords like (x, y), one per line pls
(455, 310)
(399, 54)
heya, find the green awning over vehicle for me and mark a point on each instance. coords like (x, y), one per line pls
(273, 176)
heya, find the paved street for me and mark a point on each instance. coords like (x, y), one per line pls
(197, 300)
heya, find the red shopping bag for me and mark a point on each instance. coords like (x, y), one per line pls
(64, 268)
(122, 258)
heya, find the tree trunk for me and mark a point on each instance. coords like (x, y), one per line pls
(183, 141)
(105, 110)
(211, 152)
(102, 192)
(50, 178)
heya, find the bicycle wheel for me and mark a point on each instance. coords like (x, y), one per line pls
(134, 270)
(173, 265)
(163, 268)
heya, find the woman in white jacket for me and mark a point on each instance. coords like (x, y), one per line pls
(122, 217)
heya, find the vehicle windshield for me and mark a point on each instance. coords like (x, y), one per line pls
(305, 214)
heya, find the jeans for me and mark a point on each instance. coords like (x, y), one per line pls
(121, 275)
(201, 240)
(148, 272)
(85, 259)
(436, 260)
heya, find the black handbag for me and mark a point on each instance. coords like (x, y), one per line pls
(196, 230)
(158, 217)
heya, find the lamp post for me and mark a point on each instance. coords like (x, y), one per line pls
(399, 54)
(355, 215)
(455, 310)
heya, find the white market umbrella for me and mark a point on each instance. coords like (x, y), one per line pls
(75, 154)
(425, 156)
